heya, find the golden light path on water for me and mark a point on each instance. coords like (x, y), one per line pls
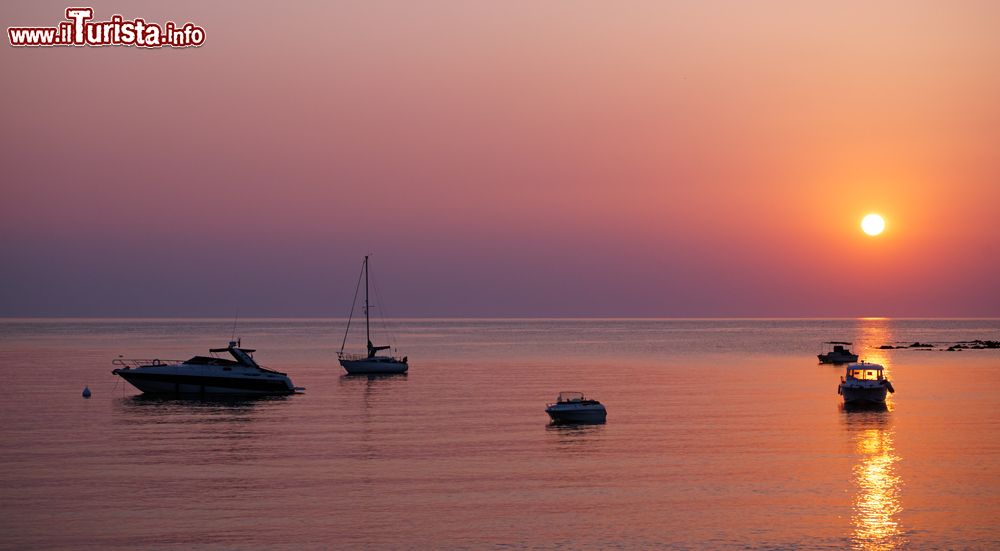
(877, 502)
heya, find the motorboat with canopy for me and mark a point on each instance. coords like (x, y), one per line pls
(864, 384)
(574, 407)
(837, 353)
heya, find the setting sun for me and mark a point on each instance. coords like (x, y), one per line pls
(873, 224)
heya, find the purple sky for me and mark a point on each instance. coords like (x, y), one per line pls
(507, 159)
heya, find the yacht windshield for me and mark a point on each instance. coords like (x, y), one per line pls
(865, 374)
(570, 396)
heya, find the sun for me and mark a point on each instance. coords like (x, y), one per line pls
(873, 224)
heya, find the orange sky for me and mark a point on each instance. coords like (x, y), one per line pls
(509, 158)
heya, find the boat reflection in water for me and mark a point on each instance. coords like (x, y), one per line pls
(877, 502)
(188, 411)
(160, 403)
(181, 434)
(575, 440)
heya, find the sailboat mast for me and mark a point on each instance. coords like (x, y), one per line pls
(368, 335)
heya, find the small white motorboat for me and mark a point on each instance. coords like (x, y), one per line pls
(573, 407)
(205, 374)
(838, 354)
(864, 385)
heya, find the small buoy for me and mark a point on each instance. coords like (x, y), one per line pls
(86, 392)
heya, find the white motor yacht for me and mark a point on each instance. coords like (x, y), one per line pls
(864, 384)
(573, 407)
(205, 374)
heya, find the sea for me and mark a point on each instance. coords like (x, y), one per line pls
(721, 434)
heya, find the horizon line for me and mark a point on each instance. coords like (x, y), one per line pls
(483, 318)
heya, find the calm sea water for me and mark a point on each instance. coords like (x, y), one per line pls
(720, 433)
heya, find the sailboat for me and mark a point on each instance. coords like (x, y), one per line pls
(372, 363)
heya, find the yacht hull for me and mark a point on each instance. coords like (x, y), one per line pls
(174, 383)
(833, 358)
(855, 395)
(590, 416)
(369, 367)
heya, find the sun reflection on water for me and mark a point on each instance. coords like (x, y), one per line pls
(877, 502)
(872, 333)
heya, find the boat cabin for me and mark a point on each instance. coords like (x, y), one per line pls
(838, 347)
(242, 356)
(211, 360)
(865, 372)
(570, 397)
(575, 398)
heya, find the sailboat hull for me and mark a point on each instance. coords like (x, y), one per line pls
(376, 366)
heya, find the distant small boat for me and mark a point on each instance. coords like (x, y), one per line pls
(838, 354)
(864, 384)
(205, 374)
(371, 363)
(573, 407)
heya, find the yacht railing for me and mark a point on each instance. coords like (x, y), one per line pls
(353, 357)
(130, 363)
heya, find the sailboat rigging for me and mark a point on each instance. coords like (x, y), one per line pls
(372, 363)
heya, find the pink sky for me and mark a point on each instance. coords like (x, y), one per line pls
(508, 159)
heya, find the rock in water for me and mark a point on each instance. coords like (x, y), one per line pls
(86, 392)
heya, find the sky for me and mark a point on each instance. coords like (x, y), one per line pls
(507, 159)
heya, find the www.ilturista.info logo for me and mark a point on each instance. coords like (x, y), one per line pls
(79, 30)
